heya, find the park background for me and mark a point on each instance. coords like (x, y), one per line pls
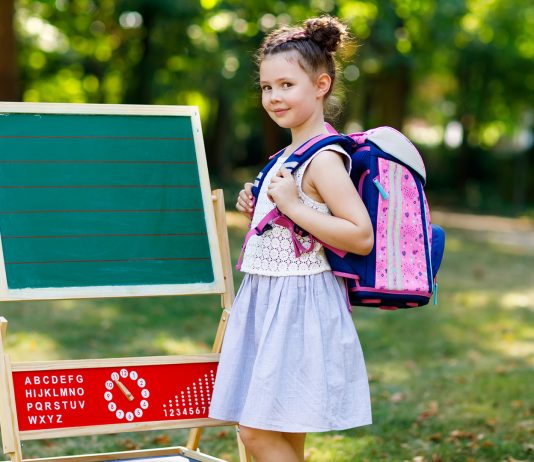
(449, 383)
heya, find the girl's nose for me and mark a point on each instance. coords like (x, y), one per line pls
(274, 96)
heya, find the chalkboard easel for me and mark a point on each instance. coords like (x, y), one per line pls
(108, 201)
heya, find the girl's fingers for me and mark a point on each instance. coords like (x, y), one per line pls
(244, 196)
(248, 190)
(245, 200)
(242, 202)
(243, 205)
(240, 205)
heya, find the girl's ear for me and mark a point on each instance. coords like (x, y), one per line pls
(323, 83)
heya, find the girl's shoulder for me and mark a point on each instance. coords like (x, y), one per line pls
(332, 156)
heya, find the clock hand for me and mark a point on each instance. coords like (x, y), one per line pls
(125, 390)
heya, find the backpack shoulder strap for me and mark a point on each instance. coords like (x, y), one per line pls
(308, 149)
(301, 154)
(261, 176)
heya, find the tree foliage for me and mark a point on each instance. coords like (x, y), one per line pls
(455, 75)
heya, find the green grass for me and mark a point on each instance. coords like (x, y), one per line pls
(448, 383)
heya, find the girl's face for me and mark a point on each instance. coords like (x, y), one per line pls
(289, 95)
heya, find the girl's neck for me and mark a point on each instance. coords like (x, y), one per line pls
(300, 135)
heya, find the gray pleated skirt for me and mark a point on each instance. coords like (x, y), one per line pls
(291, 359)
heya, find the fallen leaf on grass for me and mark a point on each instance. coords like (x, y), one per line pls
(130, 445)
(491, 423)
(436, 437)
(397, 397)
(461, 435)
(526, 424)
(431, 410)
(501, 369)
(162, 439)
(372, 377)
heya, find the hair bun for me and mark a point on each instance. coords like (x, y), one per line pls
(326, 31)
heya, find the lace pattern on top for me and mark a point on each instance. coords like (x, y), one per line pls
(272, 253)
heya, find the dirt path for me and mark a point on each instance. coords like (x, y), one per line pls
(512, 232)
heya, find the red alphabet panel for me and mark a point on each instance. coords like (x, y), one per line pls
(67, 398)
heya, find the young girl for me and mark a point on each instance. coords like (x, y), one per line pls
(291, 362)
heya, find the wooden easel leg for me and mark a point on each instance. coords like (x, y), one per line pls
(8, 421)
(194, 439)
(195, 434)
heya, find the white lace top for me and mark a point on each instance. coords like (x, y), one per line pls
(272, 253)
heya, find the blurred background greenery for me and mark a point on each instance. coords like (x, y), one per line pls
(448, 384)
(456, 76)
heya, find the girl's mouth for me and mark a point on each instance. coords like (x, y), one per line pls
(280, 112)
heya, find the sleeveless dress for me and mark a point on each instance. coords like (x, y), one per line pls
(291, 359)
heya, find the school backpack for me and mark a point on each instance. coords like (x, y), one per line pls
(389, 173)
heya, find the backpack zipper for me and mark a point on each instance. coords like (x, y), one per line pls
(380, 188)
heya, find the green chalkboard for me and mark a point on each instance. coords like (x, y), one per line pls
(104, 200)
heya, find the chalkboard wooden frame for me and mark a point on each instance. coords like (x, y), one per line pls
(152, 289)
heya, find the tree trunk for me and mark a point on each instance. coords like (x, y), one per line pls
(140, 86)
(521, 177)
(9, 88)
(386, 98)
(216, 143)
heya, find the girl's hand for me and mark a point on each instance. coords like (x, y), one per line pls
(244, 201)
(282, 190)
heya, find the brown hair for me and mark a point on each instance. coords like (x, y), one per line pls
(315, 41)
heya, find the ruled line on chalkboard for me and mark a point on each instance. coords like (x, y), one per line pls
(105, 261)
(158, 162)
(8, 212)
(105, 186)
(149, 138)
(105, 235)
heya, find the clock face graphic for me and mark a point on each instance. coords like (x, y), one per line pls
(126, 395)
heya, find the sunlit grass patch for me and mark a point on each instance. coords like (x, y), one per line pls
(28, 345)
(337, 446)
(182, 346)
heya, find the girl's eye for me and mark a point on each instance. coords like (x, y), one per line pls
(265, 87)
(286, 85)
